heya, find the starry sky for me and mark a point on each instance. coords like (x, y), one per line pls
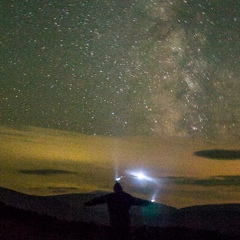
(130, 69)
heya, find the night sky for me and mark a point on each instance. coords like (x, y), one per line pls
(133, 71)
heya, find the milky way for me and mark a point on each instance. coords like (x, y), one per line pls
(122, 67)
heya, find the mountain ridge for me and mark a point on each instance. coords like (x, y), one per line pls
(222, 218)
(17, 224)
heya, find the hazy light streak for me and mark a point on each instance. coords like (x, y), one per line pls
(141, 176)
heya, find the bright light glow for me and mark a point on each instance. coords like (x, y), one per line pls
(140, 176)
(119, 178)
(153, 200)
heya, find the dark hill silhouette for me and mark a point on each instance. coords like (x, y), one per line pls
(17, 224)
(70, 207)
(223, 219)
(21, 224)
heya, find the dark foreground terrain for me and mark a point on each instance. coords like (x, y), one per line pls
(17, 224)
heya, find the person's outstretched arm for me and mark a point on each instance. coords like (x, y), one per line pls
(141, 202)
(96, 201)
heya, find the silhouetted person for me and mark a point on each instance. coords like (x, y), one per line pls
(119, 203)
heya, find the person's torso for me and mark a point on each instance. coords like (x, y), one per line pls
(118, 207)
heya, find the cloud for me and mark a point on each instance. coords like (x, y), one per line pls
(44, 172)
(54, 190)
(219, 154)
(16, 134)
(10, 134)
(62, 189)
(233, 180)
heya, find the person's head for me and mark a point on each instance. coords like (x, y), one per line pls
(117, 187)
